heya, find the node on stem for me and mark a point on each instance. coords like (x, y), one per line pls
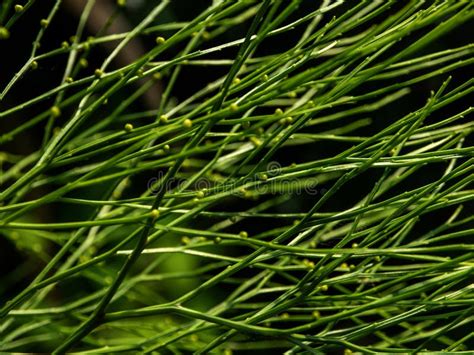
(256, 142)
(187, 123)
(98, 73)
(243, 234)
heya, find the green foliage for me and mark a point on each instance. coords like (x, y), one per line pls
(312, 195)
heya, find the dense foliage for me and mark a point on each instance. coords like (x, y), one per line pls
(301, 183)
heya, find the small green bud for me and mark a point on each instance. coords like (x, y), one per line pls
(128, 127)
(186, 163)
(308, 263)
(243, 234)
(4, 33)
(83, 63)
(98, 73)
(256, 142)
(121, 3)
(18, 8)
(236, 81)
(187, 123)
(160, 40)
(234, 107)
(155, 213)
(34, 65)
(44, 23)
(163, 119)
(55, 111)
(86, 46)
